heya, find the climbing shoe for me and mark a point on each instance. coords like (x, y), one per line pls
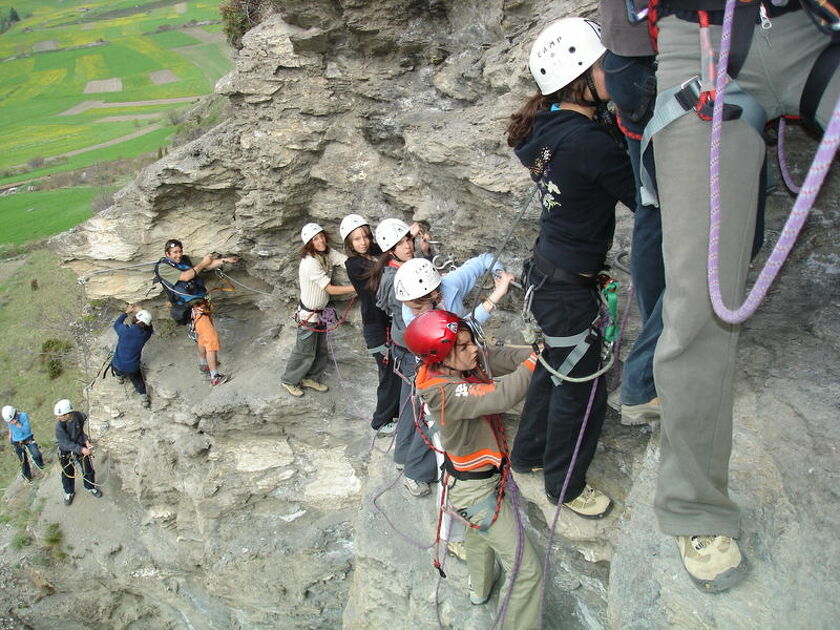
(95, 492)
(591, 503)
(318, 387)
(145, 401)
(68, 498)
(643, 413)
(219, 379)
(417, 488)
(715, 563)
(475, 598)
(294, 390)
(386, 429)
(457, 549)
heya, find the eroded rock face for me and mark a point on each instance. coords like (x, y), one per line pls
(238, 507)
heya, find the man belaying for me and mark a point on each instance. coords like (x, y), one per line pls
(184, 287)
(74, 446)
(563, 136)
(22, 439)
(466, 403)
(130, 341)
(309, 357)
(787, 67)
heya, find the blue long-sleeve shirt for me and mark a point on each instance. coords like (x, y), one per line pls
(455, 286)
(130, 342)
(22, 432)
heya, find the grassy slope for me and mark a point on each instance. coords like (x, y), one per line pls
(40, 214)
(27, 318)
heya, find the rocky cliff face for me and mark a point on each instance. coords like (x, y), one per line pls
(239, 507)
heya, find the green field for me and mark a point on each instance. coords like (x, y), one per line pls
(65, 48)
(34, 215)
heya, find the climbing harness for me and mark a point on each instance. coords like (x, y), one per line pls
(604, 327)
(328, 321)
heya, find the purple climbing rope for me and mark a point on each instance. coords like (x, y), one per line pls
(783, 165)
(798, 215)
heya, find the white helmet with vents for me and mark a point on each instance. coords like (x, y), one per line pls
(350, 223)
(390, 232)
(309, 231)
(9, 413)
(62, 406)
(144, 316)
(564, 51)
(415, 278)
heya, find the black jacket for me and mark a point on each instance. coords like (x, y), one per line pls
(70, 435)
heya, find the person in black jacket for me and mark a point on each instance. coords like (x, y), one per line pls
(73, 444)
(581, 172)
(362, 251)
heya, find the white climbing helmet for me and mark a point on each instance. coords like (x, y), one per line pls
(350, 223)
(62, 406)
(564, 51)
(144, 316)
(308, 231)
(9, 413)
(390, 232)
(415, 278)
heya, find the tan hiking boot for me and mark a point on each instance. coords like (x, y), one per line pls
(417, 488)
(715, 563)
(294, 390)
(591, 503)
(632, 415)
(318, 387)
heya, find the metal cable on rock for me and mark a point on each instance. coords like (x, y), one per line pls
(798, 215)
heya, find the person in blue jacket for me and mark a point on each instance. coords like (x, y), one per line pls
(21, 437)
(130, 341)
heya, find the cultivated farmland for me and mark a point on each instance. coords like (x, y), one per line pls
(89, 81)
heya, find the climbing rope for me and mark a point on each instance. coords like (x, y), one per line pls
(783, 165)
(798, 215)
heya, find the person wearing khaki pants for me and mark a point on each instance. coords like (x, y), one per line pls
(694, 364)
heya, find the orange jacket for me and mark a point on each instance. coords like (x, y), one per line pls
(466, 409)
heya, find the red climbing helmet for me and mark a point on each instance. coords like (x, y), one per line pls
(432, 335)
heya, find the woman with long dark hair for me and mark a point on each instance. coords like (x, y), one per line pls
(362, 253)
(562, 135)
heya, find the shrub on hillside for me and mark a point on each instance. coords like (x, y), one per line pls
(53, 352)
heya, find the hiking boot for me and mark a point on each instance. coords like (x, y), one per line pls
(475, 598)
(204, 369)
(68, 498)
(417, 488)
(457, 549)
(39, 465)
(591, 503)
(95, 492)
(632, 415)
(25, 478)
(386, 429)
(318, 387)
(120, 380)
(715, 563)
(219, 379)
(294, 390)
(145, 401)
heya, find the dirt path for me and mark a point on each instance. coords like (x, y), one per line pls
(86, 105)
(109, 143)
